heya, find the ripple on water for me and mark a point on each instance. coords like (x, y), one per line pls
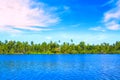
(73, 67)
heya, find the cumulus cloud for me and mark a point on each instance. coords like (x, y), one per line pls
(112, 18)
(25, 14)
(98, 29)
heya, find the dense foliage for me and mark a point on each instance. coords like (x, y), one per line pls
(17, 47)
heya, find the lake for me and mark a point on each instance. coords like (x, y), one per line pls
(60, 67)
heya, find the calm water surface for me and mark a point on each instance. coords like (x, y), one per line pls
(60, 67)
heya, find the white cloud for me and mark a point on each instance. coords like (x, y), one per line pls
(98, 29)
(25, 14)
(66, 8)
(113, 25)
(5, 28)
(107, 3)
(48, 37)
(112, 18)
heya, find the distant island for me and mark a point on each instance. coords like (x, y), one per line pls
(18, 47)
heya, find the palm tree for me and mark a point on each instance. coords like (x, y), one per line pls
(71, 40)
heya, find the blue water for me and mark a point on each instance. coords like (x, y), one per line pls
(60, 67)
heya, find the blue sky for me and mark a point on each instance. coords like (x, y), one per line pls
(92, 21)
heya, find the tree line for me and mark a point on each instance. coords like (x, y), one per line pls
(18, 47)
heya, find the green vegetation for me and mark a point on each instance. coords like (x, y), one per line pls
(13, 47)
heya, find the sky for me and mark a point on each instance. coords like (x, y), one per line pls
(92, 21)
